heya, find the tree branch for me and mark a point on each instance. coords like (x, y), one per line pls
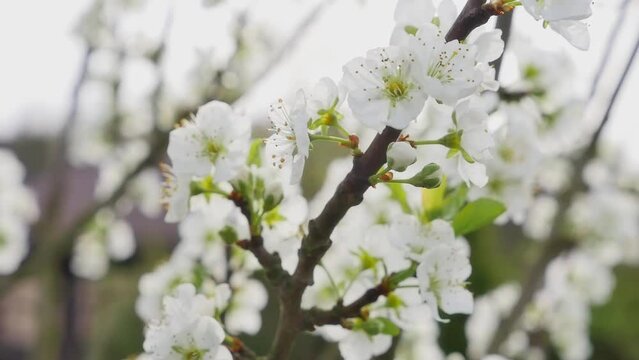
(317, 317)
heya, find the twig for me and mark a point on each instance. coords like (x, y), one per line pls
(504, 23)
(349, 193)
(316, 317)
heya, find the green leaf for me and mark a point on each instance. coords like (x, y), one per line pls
(476, 215)
(399, 194)
(255, 153)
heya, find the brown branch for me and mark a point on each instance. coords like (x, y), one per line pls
(317, 317)
(504, 23)
(349, 193)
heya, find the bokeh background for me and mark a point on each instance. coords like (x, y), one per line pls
(152, 62)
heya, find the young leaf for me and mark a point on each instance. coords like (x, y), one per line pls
(476, 215)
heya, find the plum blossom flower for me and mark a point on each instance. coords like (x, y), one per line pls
(323, 103)
(165, 279)
(564, 17)
(202, 234)
(356, 344)
(215, 142)
(416, 239)
(382, 88)
(244, 310)
(442, 278)
(470, 142)
(187, 330)
(176, 193)
(410, 15)
(448, 72)
(288, 146)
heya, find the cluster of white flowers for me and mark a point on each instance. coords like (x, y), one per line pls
(465, 158)
(18, 209)
(186, 329)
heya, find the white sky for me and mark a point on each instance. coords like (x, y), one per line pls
(39, 56)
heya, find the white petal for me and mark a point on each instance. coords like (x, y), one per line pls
(576, 32)
(456, 300)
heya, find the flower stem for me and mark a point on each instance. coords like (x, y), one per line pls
(329, 138)
(427, 142)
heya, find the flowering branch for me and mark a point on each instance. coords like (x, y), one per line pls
(349, 193)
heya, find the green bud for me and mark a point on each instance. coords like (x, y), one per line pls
(429, 177)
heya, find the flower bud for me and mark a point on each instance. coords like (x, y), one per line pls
(429, 177)
(400, 155)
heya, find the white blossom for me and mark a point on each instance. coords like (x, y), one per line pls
(201, 233)
(447, 69)
(416, 239)
(564, 17)
(215, 142)
(187, 329)
(471, 142)
(244, 311)
(288, 146)
(382, 88)
(356, 344)
(324, 100)
(176, 193)
(442, 278)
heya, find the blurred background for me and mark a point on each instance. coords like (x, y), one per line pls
(90, 88)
